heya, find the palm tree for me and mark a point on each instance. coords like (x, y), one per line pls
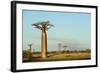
(44, 26)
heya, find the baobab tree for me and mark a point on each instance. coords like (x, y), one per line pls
(30, 51)
(65, 46)
(59, 47)
(44, 26)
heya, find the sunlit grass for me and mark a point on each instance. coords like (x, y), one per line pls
(56, 56)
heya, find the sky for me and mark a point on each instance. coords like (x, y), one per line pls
(72, 29)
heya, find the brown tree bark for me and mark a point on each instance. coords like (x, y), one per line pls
(44, 44)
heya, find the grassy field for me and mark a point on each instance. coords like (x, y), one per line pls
(57, 56)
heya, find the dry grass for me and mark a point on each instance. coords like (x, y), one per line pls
(58, 56)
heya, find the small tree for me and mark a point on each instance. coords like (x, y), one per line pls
(30, 51)
(64, 47)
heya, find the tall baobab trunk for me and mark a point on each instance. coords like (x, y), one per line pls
(44, 44)
(44, 26)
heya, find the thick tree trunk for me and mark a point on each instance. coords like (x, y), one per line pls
(44, 44)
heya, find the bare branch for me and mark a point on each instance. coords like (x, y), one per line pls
(37, 26)
(43, 25)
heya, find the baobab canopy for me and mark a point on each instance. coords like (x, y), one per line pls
(44, 25)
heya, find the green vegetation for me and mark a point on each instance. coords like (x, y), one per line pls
(27, 55)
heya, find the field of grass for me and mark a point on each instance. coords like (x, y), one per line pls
(57, 56)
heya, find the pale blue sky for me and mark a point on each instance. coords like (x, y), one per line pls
(70, 28)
